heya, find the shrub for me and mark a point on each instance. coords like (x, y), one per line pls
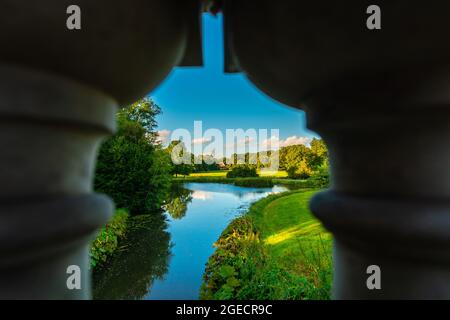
(107, 239)
(242, 171)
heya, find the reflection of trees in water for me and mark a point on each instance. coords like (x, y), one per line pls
(144, 257)
(178, 202)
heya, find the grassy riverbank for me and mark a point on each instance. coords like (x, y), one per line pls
(277, 250)
(223, 173)
(265, 179)
(107, 241)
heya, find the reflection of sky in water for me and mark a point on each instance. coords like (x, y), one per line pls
(212, 207)
(201, 195)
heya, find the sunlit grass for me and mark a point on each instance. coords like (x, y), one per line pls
(293, 237)
(275, 174)
(303, 229)
(276, 251)
(223, 173)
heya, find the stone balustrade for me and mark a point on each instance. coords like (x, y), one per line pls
(379, 98)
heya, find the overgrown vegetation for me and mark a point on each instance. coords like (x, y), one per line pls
(107, 240)
(275, 251)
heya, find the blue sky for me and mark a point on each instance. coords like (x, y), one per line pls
(219, 100)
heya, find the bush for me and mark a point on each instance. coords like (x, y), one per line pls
(242, 171)
(107, 239)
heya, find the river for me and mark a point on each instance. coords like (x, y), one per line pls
(164, 254)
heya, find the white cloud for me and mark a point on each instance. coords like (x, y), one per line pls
(163, 136)
(275, 143)
(293, 140)
(201, 140)
(201, 195)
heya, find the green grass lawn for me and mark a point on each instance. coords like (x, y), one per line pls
(292, 235)
(223, 173)
(277, 250)
(273, 174)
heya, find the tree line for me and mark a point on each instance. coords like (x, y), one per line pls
(299, 161)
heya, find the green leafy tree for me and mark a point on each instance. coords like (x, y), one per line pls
(131, 167)
(321, 176)
(143, 112)
(203, 163)
(181, 159)
(320, 153)
(297, 161)
(301, 170)
(319, 148)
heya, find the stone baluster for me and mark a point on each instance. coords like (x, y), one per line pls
(59, 90)
(381, 101)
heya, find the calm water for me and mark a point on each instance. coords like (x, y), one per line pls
(164, 256)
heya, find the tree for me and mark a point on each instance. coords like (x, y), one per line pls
(301, 171)
(143, 112)
(242, 171)
(131, 168)
(181, 159)
(298, 161)
(203, 163)
(320, 152)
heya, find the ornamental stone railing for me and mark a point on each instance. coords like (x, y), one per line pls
(379, 98)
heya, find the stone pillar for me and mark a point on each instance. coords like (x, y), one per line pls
(381, 101)
(59, 91)
(50, 128)
(389, 201)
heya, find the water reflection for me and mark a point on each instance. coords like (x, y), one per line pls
(143, 257)
(178, 201)
(164, 255)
